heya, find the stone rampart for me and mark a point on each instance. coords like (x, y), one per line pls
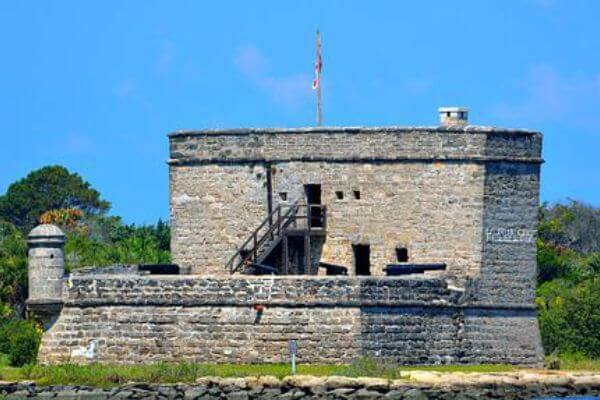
(251, 320)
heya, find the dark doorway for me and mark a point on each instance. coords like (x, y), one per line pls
(362, 262)
(401, 254)
(313, 193)
(313, 197)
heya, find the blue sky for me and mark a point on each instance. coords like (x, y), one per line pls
(96, 86)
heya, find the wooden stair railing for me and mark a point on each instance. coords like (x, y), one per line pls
(265, 238)
(279, 220)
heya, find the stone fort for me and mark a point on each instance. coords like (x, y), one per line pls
(411, 245)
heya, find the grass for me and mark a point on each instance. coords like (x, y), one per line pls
(99, 375)
(106, 375)
(4, 360)
(575, 362)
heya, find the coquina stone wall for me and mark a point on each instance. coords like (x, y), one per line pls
(137, 318)
(434, 210)
(215, 208)
(510, 220)
(424, 189)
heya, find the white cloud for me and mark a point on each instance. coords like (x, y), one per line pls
(78, 144)
(165, 56)
(287, 90)
(250, 61)
(548, 95)
(417, 86)
(544, 3)
(125, 89)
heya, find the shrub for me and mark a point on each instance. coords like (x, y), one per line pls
(569, 315)
(20, 341)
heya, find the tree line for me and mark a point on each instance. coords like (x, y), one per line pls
(568, 293)
(54, 195)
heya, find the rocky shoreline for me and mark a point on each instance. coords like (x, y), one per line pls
(413, 385)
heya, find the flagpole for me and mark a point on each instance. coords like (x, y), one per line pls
(318, 72)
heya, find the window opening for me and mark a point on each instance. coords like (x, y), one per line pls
(362, 259)
(401, 254)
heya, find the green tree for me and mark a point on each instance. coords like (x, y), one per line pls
(569, 316)
(48, 188)
(574, 225)
(568, 295)
(13, 267)
(20, 341)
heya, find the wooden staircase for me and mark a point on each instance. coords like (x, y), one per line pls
(272, 234)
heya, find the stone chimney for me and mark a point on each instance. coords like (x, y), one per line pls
(46, 270)
(453, 117)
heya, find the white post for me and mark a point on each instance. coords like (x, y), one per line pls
(293, 348)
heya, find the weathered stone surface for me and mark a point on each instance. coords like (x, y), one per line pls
(45, 272)
(211, 319)
(422, 188)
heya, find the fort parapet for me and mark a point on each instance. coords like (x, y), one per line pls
(408, 320)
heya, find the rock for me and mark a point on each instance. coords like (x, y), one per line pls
(269, 381)
(123, 394)
(252, 382)
(232, 384)
(587, 380)
(293, 394)
(486, 380)
(414, 394)
(378, 384)
(455, 386)
(270, 393)
(341, 392)
(400, 384)
(335, 382)
(426, 377)
(366, 394)
(395, 394)
(19, 394)
(167, 391)
(207, 380)
(208, 396)
(304, 381)
(237, 395)
(94, 395)
(556, 380)
(192, 393)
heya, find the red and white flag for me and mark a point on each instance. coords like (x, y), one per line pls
(318, 64)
